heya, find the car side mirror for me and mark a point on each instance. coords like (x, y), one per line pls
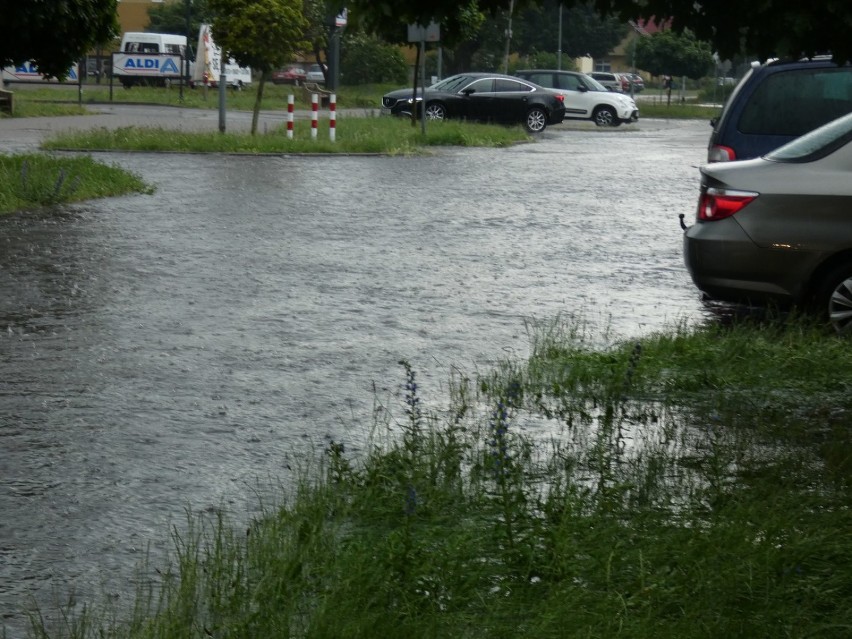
(582, 88)
(467, 92)
(714, 122)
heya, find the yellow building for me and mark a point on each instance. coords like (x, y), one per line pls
(133, 14)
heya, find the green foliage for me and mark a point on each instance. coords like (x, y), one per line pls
(781, 28)
(366, 59)
(32, 181)
(179, 16)
(55, 34)
(584, 31)
(261, 34)
(670, 53)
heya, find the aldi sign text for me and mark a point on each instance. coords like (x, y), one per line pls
(149, 65)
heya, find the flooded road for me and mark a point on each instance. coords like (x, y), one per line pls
(171, 352)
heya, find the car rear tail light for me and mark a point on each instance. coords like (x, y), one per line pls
(560, 97)
(719, 153)
(717, 204)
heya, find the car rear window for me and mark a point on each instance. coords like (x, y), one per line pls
(543, 79)
(797, 101)
(816, 144)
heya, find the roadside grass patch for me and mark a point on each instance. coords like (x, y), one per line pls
(393, 136)
(631, 490)
(274, 96)
(676, 110)
(35, 180)
(29, 109)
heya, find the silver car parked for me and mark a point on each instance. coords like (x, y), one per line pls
(778, 229)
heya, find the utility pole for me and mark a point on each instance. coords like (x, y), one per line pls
(508, 37)
(559, 45)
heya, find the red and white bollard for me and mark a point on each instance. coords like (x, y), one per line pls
(290, 105)
(332, 117)
(314, 115)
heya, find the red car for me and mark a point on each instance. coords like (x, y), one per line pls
(291, 74)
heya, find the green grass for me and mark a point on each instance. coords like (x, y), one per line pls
(692, 484)
(353, 135)
(30, 109)
(274, 96)
(649, 109)
(36, 180)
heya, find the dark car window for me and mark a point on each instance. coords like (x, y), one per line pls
(544, 79)
(452, 84)
(794, 102)
(483, 85)
(504, 85)
(568, 82)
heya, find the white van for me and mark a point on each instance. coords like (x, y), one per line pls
(150, 58)
(141, 42)
(208, 58)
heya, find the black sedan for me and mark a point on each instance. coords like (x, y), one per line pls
(487, 97)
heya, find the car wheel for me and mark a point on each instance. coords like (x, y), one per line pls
(436, 111)
(606, 116)
(834, 299)
(536, 120)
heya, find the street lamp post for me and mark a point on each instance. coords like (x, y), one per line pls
(559, 45)
(508, 37)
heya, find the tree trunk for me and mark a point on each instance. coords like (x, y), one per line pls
(258, 99)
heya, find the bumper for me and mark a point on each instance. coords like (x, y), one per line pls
(629, 115)
(727, 266)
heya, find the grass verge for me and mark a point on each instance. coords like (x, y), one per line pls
(394, 136)
(691, 484)
(35, 180)
(274, 96)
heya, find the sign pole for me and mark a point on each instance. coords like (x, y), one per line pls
(423, 86)
(223, 81)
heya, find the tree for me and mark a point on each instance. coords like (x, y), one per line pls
(771, 28)
(261, 34)
(366, 59)
(768, 28)
(316, 32)
(670, 53)
(584, 31)
(179, 16)
(55, 35)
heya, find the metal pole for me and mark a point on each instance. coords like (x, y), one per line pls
(559, 49)
(422, 71)
(223, 88)
(508, 37)
(334, 58)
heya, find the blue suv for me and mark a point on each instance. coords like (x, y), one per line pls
(776, 102)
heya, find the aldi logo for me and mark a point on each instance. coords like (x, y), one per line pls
(152, 64)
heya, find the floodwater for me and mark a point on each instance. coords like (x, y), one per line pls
(174, 351)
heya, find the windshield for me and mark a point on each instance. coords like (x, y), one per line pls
(816, 144)
(593, 84)
(451, 84)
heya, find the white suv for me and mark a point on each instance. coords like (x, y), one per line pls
(585, 98)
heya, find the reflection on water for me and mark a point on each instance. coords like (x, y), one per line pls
(175, 351)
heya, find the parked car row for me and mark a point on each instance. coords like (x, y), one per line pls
(773, 225)
(296, 74)
(620, 82)
(534, 97)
